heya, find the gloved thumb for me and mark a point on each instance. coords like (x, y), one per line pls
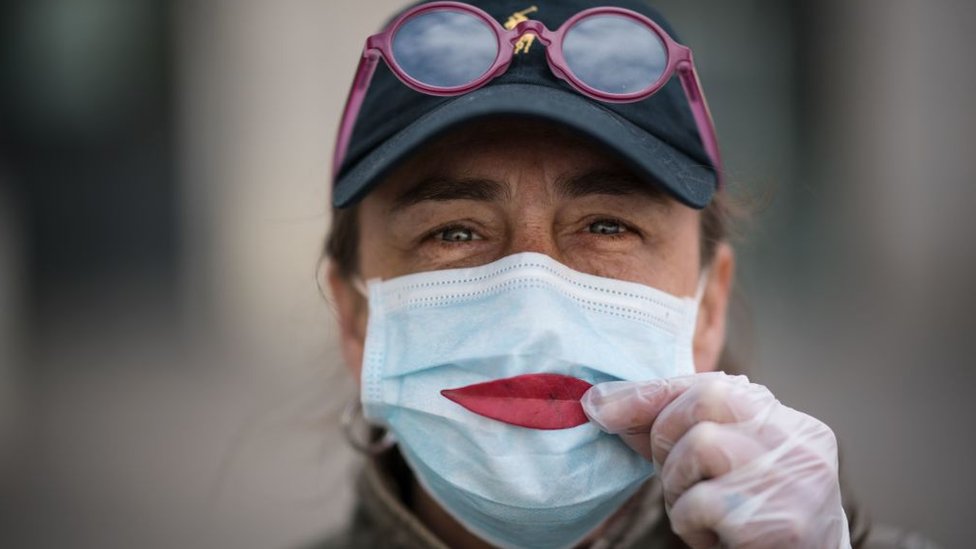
(629, 408)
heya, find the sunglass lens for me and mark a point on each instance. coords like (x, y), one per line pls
(614, 54)
(445, 49)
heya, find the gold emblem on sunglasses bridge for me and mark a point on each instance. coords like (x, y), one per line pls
(523, 44)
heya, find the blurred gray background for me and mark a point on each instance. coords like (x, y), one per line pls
(168, 376)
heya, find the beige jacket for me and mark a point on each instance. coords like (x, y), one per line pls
(381, 519)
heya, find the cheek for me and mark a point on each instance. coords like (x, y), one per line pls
(684, 253)
(371, 262)
(375, 259)
(633, 267)
(668, 261)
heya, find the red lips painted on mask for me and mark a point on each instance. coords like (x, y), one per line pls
(536, 401)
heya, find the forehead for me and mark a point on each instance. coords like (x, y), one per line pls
(531, 152)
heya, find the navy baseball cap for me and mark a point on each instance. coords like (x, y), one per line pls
(657, 136)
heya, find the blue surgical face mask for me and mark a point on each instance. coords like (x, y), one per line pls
(526, 313)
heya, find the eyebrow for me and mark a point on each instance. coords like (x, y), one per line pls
(613, 183)
(442, 189)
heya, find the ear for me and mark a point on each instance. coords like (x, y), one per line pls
(351, 313)
(710, 328)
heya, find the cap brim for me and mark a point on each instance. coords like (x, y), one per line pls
(689, 181)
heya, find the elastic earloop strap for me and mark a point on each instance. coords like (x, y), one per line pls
(702, 284)
(360, 287)
(353, 414)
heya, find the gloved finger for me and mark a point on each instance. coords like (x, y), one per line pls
(725, 399)
(746, 520)
(785, 497)
(709, 450)
(630, 407)
(694, 515)
(713, 511)
(640, 443)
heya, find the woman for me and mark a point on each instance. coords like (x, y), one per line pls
(531, 273)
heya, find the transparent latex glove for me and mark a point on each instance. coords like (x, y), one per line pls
(737, 467)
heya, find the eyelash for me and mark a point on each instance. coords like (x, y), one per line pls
(436, 235)
(626, 230)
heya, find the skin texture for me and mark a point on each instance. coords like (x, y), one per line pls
(504, 187)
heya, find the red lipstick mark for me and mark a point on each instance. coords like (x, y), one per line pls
(536, 401)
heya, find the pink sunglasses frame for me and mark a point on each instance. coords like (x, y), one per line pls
(679, 60)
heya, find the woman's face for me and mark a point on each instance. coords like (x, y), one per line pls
(498, 189)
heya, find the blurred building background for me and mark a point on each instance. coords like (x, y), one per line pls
(168, 376)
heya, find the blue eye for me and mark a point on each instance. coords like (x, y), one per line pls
(457, 234)
(607, 227)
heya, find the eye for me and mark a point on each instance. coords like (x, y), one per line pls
(607, 227)
(456, 234)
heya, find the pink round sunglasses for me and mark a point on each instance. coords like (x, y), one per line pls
(507, 42)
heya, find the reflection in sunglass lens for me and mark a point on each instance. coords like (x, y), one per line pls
(614, 54)
(445, 49)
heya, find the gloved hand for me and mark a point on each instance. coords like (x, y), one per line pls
(737, 467)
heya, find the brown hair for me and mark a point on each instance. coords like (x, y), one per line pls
(342, 241)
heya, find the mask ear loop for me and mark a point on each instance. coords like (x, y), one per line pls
(702, 284)
(353, 414)
(360, 286)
